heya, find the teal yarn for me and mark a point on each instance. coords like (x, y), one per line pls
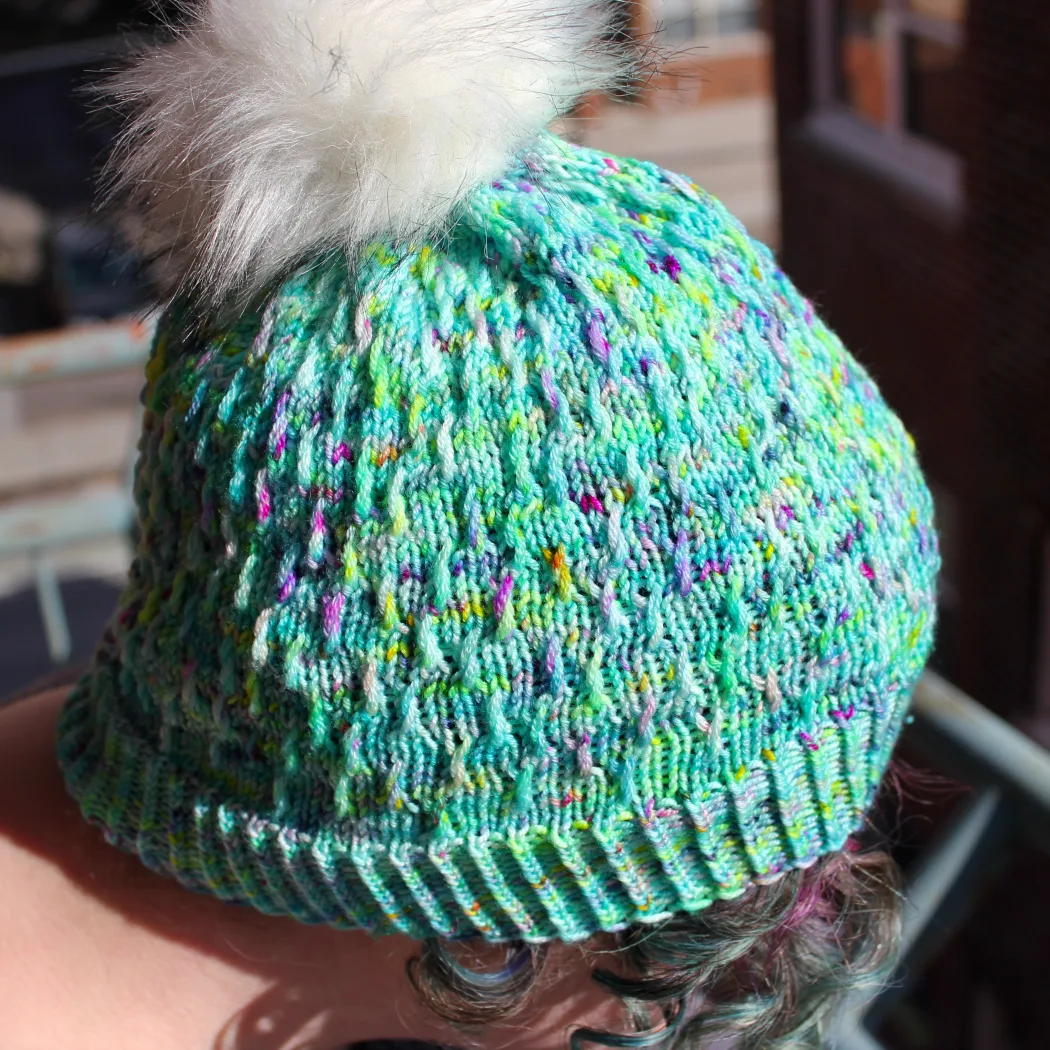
(561, 574)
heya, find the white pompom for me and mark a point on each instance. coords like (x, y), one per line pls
(269, 130)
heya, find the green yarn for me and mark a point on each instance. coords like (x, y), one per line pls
(564, 574)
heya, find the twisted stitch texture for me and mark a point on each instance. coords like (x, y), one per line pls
(565, 574)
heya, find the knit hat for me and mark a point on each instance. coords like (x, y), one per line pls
(549, 569)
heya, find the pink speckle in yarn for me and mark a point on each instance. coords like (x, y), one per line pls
(611, 164)
(867, 571)
(279, 447)
(672, 267)
(342, 451)
(287, 587)
(809, 741)
(264, 504)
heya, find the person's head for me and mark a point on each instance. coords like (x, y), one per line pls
(521, 561)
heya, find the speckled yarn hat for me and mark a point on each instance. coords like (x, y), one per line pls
(551, 570)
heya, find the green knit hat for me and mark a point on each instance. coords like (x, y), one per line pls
(553, 573)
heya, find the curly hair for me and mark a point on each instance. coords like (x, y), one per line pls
(766, 968)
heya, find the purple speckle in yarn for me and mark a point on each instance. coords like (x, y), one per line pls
(264, 503)
(279, 447)
(843, 617)
(457, 569)
(287, 587)
(333, 610)
(503, 595)
(645, 366)
(549, 389)
(342, 451)
(682, 567)
(599, 344)
(652, 266)
(672, 267)
(525, 187)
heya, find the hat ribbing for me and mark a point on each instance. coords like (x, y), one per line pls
(559, 574)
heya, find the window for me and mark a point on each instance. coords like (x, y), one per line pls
(680, 21)
(888, 85)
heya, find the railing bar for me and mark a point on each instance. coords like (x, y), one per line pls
(1007, 754)
(942, 868)
(79, 350)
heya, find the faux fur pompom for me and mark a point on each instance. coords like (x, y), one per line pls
(268, 130)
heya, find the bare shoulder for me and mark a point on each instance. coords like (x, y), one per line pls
(98, 952)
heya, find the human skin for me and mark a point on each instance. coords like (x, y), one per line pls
(99, 953)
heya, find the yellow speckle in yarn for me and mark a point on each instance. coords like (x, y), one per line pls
(580, 825)
(768, 755)
(741, 773)
(670, 673)
(770, 551)
(391, 653)
(418, 404)
(743, 434)
(574, 636)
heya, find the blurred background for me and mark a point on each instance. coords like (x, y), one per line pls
(896, 154)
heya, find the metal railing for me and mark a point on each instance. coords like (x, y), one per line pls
(38, 528)
(1010, 801)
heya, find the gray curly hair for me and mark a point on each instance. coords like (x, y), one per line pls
(764, 970)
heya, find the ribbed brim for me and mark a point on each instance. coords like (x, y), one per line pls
(567, 883)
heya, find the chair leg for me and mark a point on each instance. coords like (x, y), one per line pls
(52, 609)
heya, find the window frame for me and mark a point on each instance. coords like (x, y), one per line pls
(926, 168)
